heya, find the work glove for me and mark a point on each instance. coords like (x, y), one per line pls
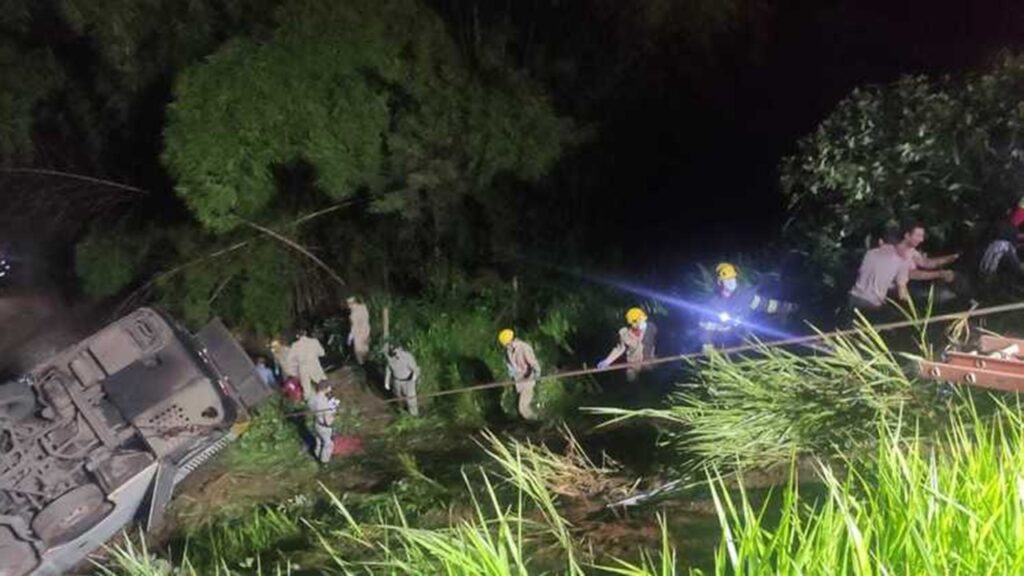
(603, 363)
(387, 384)
(333, 403)
(351, 338)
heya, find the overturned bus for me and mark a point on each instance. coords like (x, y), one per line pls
(100, 433)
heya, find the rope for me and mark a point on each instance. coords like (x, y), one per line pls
(812, 338)
(961, 316)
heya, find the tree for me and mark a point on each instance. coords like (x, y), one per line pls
(30, 75)
(948, 153)
(372, 96)
(361, 99)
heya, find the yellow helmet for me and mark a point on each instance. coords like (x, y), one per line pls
(635, 315)
(725, 271)
(506, 336)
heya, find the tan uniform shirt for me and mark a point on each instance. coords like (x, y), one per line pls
(359, 318)
(637, 345)
(521, 361)
(402, 366)
(281, 353)
(304, 360)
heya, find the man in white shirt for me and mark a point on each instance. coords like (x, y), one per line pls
(883, 269)
(922, 267)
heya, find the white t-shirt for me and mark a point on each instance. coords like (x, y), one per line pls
(879, 272)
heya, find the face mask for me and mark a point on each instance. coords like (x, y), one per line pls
(729, 285)
(641, 325)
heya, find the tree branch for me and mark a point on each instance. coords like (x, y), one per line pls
(59, 174)
(298, 248)
(141, 290)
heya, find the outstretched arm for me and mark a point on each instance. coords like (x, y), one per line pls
(921, 274)
(612, 356)
(936, 262)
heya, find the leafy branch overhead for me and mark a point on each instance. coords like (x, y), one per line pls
(371, 95)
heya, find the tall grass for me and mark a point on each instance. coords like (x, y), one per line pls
(127, 558)
(951, 504)
(956, 507)
(768, 406)
(510, 521)
(244, 542)
(523, 532)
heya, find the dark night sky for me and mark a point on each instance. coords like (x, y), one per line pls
(700, 160)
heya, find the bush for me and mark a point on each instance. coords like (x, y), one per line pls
(106, 264)
(273, 439)
(452, 331)
(945, 152)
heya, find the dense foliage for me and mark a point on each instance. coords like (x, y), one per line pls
(947, 152)
(36, 76)
(369, 94)
(361, 101)
(451, 328)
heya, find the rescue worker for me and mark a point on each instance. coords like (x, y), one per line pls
(323, 408)
(523, 367)
(304, 361)
(636, 340)
(925, 268)
(280, 353)
(359, 332)
(731, 305)
(406, 373)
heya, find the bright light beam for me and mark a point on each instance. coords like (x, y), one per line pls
(681, 304)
